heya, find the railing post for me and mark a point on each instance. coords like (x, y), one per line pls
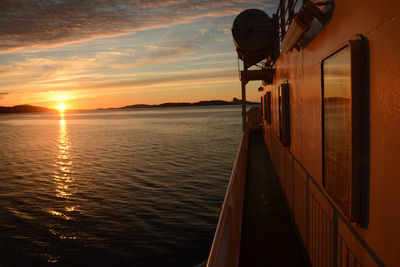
(283, 30)
(293, 186)
(291, 10)
(307, 211)
(335, 238)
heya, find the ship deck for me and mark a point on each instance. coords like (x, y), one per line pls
(268, 237)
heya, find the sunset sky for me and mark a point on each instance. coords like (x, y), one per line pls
(99, 54)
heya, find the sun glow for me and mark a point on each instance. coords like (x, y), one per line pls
(61, 107)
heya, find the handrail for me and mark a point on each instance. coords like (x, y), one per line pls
(284, 20)
(317, 226)
(226, 244)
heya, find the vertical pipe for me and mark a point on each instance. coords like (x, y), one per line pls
(244, 82)
(244, 105)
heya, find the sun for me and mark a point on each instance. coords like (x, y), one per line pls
(61, 107)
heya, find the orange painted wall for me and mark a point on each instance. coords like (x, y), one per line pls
(379, 21)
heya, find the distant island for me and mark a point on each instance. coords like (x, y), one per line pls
(24, 109)
(235, 101)
(35, 109)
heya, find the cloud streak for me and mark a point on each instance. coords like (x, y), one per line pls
(187, 52)
(32, 23)
(3, 94)
(197, 78)
(185, 78)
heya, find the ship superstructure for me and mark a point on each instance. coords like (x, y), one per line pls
(331, 124)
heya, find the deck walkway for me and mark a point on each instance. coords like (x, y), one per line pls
(268, 237)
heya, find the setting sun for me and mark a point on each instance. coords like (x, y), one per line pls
(61, 107)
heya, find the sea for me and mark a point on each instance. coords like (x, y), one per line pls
(138, 187)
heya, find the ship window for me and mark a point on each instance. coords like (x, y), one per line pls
(267, 107)
(284, 114)
(262, 105)
(337, 127)
(344, 120)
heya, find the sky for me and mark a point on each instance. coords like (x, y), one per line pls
(113, 53)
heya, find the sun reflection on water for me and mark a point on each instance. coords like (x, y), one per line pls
(64, 180)
(63, 176)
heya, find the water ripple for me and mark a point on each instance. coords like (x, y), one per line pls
(140, 187)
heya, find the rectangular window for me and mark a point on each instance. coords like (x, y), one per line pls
(284, 114)
(267, 107)
(337, 127)
(262, 106)
(268, 102)
(345, 127)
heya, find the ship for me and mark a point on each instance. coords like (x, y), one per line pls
(316, 179)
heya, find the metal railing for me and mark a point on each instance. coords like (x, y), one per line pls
(285, 14)
(328, 238)
(225, 248)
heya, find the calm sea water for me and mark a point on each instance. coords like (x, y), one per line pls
(135, 187)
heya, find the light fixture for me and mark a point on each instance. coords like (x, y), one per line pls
(300, 25)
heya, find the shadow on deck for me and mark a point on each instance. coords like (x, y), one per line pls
(268, 237)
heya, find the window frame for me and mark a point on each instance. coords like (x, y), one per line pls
(267, 107)
(263, 106)
(359, 176)
(284, 113)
